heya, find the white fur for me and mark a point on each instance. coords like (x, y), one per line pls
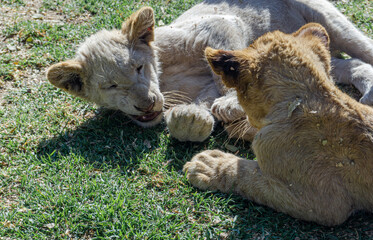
(235, 25)
(109, 57)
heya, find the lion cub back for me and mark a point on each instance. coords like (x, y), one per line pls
(311, 133)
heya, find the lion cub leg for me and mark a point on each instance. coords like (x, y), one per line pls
(356, 72)
(229, 111)
(189, 122)
(216, 170)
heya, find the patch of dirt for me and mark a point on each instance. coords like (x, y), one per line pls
(32, 10)
(11, 45)
(10, 201)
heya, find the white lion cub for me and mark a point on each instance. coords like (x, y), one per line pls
(148, 73)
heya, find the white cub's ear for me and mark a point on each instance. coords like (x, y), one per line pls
(68, 76)
(314, 30)
(140, 26)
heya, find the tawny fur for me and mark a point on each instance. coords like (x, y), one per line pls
(314, 147)
(126, 70)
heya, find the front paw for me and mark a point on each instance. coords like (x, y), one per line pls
(189, 123)
(227, 109)
(367, 98)
(212, 170)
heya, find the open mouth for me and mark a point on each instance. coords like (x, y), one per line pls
(146, 117)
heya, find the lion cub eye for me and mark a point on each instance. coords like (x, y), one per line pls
(113, 86)
(139, 68)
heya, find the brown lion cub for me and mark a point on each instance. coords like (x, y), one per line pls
(314, 147)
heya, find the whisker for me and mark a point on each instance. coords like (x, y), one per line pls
(176, 93)
(244, 128)
(185, 100)
(235, 126)
(174, 101)
(244, 131)
(175, 97)
(238, 126)
(173, 91)
(241, 132)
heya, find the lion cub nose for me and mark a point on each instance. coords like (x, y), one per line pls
(146, 109)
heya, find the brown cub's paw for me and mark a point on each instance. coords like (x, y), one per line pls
(203, 170)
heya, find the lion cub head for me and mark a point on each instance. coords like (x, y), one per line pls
(276, 68)
(117, 69)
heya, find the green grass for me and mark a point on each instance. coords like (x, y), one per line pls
(71, 170)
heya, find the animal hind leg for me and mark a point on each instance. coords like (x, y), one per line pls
(344, 36)
(216, 170)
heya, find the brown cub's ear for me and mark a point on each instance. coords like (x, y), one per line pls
(225, 64)
(140, 26)
(68, 76)
(316, 30)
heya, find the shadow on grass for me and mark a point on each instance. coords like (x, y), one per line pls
(254, 221)
(181, 152)
(107, 138)
(110, 138)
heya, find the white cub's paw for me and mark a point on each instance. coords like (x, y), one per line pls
(367, 98)
(189, 122)
(227, 109)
